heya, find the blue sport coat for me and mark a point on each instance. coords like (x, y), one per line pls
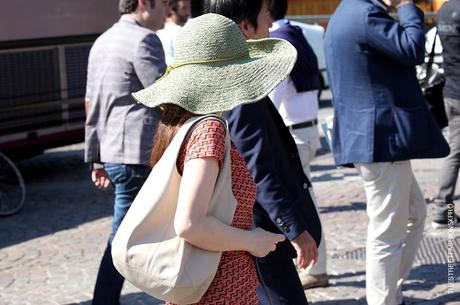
(283, 203)
(380, 112)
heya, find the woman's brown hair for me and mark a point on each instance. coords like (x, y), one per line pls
(172, 118)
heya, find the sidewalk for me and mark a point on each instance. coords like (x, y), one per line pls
(50, 252)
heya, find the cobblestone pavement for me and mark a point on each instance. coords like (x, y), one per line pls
(50, 251)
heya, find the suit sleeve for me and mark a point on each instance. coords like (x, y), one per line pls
(92, 142)
(248, 133)
(149, 62)
(404, 42)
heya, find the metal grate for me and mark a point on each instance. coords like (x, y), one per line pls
(76, 58)
(432, 250)
(29, 77)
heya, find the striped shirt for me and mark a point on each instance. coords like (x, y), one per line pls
(124, 59)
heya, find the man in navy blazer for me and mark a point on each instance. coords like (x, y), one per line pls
(283, 201)
(382, 121)
(297, 101)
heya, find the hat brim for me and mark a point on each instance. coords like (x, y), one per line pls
(222, 86)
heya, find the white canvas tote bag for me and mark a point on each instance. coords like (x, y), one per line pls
(146, 249)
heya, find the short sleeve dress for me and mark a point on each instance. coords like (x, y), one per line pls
(236, 279)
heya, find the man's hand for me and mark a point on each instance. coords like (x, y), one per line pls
(307, 251)
(100, 178)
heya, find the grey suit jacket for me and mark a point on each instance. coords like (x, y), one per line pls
(124, 59)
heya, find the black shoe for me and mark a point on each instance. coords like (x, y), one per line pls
(444, 215)
(446, 223)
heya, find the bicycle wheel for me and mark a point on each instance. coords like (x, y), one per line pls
(12, 187)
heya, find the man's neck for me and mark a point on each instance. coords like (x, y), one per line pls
(175, 20)
(137, 18)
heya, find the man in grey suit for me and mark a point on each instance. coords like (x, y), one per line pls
(119, 132)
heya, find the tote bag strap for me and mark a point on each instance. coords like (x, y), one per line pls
(201, 119)
(431, 56)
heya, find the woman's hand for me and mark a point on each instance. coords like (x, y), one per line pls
(263, 242)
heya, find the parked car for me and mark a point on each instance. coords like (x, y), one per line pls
(314, 33)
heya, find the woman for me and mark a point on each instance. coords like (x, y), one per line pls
(215, 69)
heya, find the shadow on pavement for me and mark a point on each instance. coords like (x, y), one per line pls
(352, 206)
(322, 167)
(421, 278)
(450, 299)
(346, 274)
(341, 302)
(441, 300)
(334, 176)
(138, 298)
(427, 277)
(59, 196)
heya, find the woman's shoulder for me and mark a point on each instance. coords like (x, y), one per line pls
(206, 140)
(208, 129)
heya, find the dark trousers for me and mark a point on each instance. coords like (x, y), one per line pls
(282, 284)
(449, 171)
(127, 180)
(109, 282)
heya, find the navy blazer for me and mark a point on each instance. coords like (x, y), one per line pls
(305, 74)
(380, 112)
(283, 203)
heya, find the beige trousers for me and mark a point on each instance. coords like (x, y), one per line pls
(396, 210)
(307, 141)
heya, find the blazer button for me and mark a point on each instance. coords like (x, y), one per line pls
(305, 186)
(278, 220)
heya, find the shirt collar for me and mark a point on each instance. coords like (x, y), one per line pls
(128, 19)
(278, 23)
(380, 3)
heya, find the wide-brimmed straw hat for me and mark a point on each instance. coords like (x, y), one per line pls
(215, 69)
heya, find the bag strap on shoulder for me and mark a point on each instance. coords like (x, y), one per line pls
(201, 119)
(198, 121)
(431, 56)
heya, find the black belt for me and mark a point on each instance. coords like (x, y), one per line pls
(304, 124)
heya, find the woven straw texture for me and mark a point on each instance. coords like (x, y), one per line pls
(215, 69)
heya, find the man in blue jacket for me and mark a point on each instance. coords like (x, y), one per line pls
(283, 201)
(381, 122)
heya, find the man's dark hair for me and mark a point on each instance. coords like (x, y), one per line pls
(129, 6)
(173, 4)
(237, 10)
(278, 9)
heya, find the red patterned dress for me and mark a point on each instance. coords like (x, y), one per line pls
(236, 279)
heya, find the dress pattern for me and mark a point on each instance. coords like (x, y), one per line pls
(236, 279)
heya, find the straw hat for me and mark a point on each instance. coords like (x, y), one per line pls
(215, 69)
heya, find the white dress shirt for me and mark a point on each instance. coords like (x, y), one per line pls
(294, 107)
